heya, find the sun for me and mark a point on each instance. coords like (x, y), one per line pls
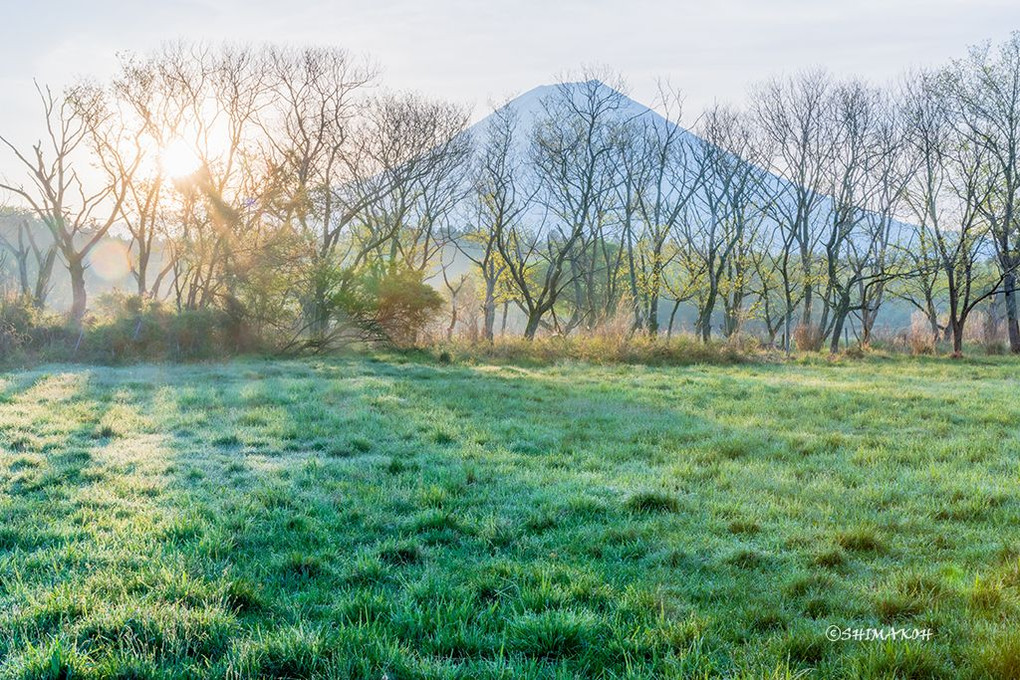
(178, 159)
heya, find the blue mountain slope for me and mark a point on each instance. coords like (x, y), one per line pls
(530, 111)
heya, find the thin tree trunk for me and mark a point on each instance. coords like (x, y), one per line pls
(1012, 325)
(79, 297)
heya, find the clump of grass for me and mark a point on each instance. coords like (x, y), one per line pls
(367, 569)
(436, 521)
(301, 565)
(985, 597)
(275, 496)
(999, 656)
(242, 596)
(804, 645)
(400, 554)
(433, 496)
(235, 467)
(552, 635)
(104, 431)
(743, 526)
(810, 583)
(300, 651)
(747, 559)
(24, 463)
(20, 443)
(927, 587)
(896, 606)
(652, 502)
(830, 558)
(861, 539)
(226, 440)
(12, 539)
(733, 448)
(182, 529)
(817, 607)
(540, 521)
(918, 661)
(55, 661)
(350, 447)
(768, 621)
(442, 437)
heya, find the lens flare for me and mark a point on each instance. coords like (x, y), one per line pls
(110, 260)
(178, 159)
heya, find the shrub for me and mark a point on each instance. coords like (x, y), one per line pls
(26, 330)
(597, 349)
(404, 303)
(127, 328)
(16, 320)
(808, 338)
(363, 305)
(920, 337)
(123, 328)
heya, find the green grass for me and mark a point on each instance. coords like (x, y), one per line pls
(360, 518)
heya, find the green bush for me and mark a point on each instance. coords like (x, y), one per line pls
(26, 330)
(123, 328)
(367, 305)
(129, 328)
(404, 303)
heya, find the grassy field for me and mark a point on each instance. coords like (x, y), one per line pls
(379, 518)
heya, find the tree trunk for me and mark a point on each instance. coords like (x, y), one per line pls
(787, 328)
(672, 319)
(653, 291)
(79, 298)
(23, 284)
(653, 316)
(1012, 325)
(534, 318)
(837, 330)
(957, 338)
(808, 298)
(704, 327)
(489, 321)
(141, 276)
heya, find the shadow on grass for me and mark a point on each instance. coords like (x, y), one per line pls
(346, 518)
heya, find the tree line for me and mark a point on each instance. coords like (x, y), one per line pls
(281, 186)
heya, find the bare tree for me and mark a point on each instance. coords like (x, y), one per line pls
(664, 177)
(570, 156)
(421, 153)
(501, 203)
(985, 98)
(728, 208)
(947, 195)
(794, 117)
(78, 209)
(34, 253)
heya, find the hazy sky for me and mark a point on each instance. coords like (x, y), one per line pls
(473, 52)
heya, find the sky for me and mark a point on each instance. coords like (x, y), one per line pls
(476, 53)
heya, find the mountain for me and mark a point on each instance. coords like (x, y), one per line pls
(529, 110)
